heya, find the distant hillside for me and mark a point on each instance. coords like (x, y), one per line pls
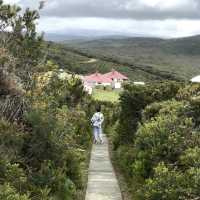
(157, 58)
(185, 46)
(84, 34)
(79, 62)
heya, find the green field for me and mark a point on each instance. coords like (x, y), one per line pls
(106, 95)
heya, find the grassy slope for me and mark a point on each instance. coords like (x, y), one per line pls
(147, 58)
(106, 95)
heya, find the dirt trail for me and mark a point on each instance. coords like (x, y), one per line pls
(92, 60)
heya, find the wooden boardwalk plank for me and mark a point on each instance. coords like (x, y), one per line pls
(102, 182)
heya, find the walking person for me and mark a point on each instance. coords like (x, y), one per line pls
(97, 120)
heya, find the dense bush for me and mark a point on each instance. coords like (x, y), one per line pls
(58, 143)
(44, 119)
(7, 192)
(133, 100)
(161, 158)
(191, 90)
(48, 159)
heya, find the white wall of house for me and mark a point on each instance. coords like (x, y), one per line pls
(88, 89)
(106, 84)
(103, 84)
(117, 85)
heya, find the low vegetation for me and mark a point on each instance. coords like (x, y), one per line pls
(44, 149)
(157, 141)
(106, 95)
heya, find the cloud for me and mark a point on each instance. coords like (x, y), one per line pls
(161, 18)
(124, 9)
(34, 4)
(12, 1)
(120, 9)
(102, 26)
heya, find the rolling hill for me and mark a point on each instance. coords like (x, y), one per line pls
(142, 59)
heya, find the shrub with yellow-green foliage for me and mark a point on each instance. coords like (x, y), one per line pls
(133, 100)
(47, 156)
(60, 138)
(12, 175)
(7, 193)
(161, 161)
(44, 131)
(191, 90)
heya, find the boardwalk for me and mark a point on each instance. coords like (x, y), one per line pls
(102, 182)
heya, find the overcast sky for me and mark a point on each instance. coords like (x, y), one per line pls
(160, 18)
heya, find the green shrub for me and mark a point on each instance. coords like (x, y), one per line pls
(192, 180)
(49, 160)
(13, 174)
(44, 152)
(194, 110)
(134, 99)
(161, 158)
(55, 140)
(11, 140)
(9, 193)
(170, 184)
(54, 181)
(166, 185)
(164, 108)
(125, 157)
(191, 90)
(162, 139)
(57, 146)
(191, 158)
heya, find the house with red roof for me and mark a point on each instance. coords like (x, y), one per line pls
(97, 79)
(117, 78)
(115, 75)
(113, 79)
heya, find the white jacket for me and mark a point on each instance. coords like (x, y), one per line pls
(97, 119)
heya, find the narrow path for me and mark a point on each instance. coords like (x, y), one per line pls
(102, 182)
(92, 60)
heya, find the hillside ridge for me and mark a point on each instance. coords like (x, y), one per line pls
(177, 57)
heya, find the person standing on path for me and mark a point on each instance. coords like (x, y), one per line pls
(97, 120)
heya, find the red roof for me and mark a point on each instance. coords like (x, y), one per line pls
(115, 75)
(97, 77)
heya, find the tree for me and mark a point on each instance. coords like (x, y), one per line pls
(19, 36)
